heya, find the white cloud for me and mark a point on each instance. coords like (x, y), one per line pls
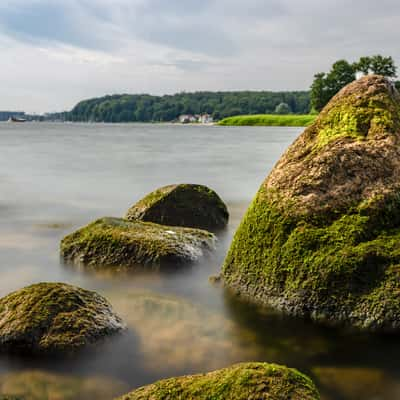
(56, 53)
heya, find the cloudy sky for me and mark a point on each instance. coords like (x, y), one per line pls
(57, 52)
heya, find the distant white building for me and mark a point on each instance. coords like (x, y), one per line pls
(187, 119)
(190, 119)
(206, 119)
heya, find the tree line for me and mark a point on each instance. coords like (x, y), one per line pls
(326, 85)
(147, 108)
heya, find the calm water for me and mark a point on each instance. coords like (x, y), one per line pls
(55, 178)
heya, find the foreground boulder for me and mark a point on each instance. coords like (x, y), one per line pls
(54, 317)
(116, 242)
(322, 236)
(255, 381)
(193, 206)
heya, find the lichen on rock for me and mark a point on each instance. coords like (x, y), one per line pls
(322, 237)
(115, 242)
(256, 381)
(187, 205)
(54, 318)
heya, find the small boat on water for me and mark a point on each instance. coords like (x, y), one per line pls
(16, 119)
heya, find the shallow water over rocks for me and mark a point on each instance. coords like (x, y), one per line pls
(55, 178)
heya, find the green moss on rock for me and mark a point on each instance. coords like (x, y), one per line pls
(322, 237)
(193, 206)
(54, 317)
(256, 381)
(117, 242)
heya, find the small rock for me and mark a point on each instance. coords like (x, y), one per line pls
(114, 242)
(193, 206)
(54, 318)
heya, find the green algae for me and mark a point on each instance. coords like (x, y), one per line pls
(54, 317)
(114, 242)
(308, 249)
(186, 205)
(359, 117)
(256, 381)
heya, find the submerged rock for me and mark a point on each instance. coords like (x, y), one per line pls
(322, 236)
(241, 382)
(54, 317)
(193, 206)
(134, 244)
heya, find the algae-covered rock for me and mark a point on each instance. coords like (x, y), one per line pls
(245, 381)
(134, 244)
(193, 206)
(322, 236)
(54, 317)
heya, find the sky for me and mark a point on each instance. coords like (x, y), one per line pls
(58, 52)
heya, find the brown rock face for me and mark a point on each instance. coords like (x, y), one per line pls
(349, 155)
(321, 238)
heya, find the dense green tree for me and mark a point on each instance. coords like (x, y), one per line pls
(363, 65)
(341, 74)
(319, 92)
(325, 86)
(283, 108)
(377, 65)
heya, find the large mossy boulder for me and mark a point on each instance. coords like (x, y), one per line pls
(54, 318)
(114, 242)
(256, 381)
(322, 236)
(193, 206)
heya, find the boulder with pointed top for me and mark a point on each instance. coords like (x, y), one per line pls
(322, 236)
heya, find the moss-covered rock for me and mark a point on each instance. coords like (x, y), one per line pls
(256, 381)
(322, 236)
(117, 242)
(53, 318)
(193, 206)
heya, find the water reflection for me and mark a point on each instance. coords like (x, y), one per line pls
(355, 383)
(273, 332)
(42, 385)
(176, 335)
(56, 178)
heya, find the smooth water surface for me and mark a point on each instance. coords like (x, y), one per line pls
(55, 178)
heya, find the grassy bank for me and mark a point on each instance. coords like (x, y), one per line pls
(268, 120)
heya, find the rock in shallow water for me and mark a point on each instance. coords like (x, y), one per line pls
(322, 237)
(193, 206)
(245, 381)
(54, 318)
(116, 242)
